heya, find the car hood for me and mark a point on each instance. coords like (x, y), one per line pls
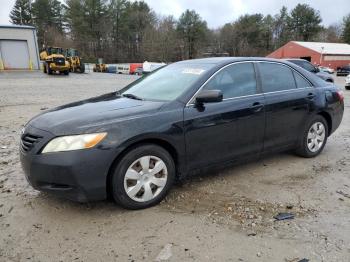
(92, 115)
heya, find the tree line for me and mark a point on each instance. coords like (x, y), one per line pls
(130, 31)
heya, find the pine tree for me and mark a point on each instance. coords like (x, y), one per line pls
(346, 29)
(192, 29)
(304, 22)
(21, 13)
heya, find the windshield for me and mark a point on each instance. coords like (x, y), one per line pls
(167, 83)
(55, 50)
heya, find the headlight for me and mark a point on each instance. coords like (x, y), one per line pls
(76, 142)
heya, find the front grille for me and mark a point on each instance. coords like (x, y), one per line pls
(59, 61)
(28, 141)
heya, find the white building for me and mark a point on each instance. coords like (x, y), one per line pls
(18, 47)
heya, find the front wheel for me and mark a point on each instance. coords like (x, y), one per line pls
(48, 69)
(314, 137)
(143, 177)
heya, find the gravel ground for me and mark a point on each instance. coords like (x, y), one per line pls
(220, 215)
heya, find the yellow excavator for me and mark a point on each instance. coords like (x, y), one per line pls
(54, 60)
(76, 64)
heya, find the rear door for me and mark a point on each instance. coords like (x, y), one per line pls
(229, 129)
(289, 97)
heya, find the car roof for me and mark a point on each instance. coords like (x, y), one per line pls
(227, 60)
(295, 59)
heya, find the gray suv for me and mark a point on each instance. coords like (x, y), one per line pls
(311, 68)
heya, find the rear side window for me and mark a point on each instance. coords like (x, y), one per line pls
(276, 77)
(234, 81)
(301, 81)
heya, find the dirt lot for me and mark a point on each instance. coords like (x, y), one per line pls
(224, 215)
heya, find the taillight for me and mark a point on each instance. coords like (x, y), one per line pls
(340, 95)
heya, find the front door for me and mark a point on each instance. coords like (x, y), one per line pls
(229, 129)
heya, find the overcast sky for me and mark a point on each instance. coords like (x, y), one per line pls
(219, 12)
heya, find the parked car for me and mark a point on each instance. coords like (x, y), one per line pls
(343, 71)
(138, 71)
(311, 68)
(326, 69)
(189, 115)
(347, 82)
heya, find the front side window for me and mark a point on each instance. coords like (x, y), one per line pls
(234, 81)
(276, 77)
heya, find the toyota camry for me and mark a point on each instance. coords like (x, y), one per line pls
(132, 144)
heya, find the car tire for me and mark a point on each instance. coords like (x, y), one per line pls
(132, 186)
(48, 69)
(347, 87)
(310, 143)
(44, 68)
(66, 72)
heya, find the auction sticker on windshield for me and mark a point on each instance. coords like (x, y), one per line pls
(193, 71)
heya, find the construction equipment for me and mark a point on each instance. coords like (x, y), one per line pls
(76, 64)
(100, 68)
(54, 60)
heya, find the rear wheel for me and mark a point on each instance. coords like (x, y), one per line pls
(66, 72)
(314, 137)
(347, 87)
(82, 68)
(143, 177)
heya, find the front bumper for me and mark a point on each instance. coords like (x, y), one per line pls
(55, 67)
(79, 175)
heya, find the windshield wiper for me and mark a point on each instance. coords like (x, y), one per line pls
(131, 96)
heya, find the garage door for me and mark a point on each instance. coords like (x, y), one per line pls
(14, 54)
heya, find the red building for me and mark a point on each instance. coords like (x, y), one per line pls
(331, 55)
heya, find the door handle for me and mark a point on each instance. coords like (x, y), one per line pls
(256, 107)
(311, 96)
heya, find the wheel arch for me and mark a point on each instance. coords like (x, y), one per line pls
(155, 141)
(328, 118)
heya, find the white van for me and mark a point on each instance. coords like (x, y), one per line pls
(123, 69)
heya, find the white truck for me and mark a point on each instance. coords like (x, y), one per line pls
(151, 66)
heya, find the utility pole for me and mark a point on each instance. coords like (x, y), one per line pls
(322, 48)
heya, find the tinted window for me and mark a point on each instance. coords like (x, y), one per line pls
(276, 77)
(301, 81)
(234, 81)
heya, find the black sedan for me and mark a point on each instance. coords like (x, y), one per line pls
(312, 69)
(132, 144)
(343, 71)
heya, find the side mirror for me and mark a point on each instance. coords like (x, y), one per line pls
(209, 96)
